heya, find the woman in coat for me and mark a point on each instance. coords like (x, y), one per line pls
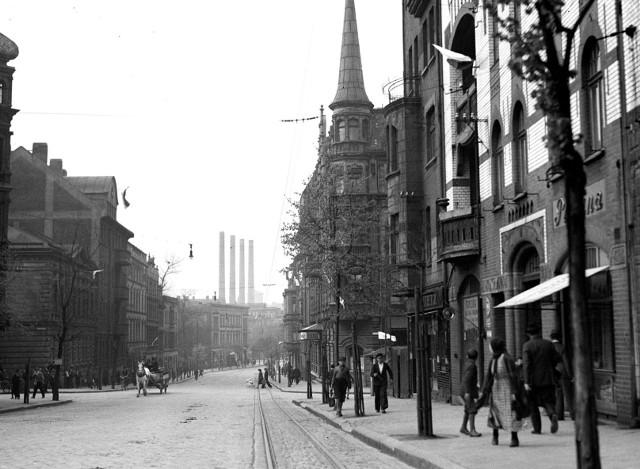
(501, 388)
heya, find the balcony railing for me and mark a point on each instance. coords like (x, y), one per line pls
(460, 235)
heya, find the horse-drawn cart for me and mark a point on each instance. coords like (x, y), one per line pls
(160, 379)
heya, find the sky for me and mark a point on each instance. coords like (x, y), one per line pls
(183, 102)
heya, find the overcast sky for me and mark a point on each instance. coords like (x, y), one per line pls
(181, 101)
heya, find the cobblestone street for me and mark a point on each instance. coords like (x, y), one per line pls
(211, 423)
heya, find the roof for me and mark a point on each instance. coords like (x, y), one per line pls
(92, 184)
(350, 80)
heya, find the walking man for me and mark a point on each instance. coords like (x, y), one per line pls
(539, 360)
(469, 393)
(563, 376)
(340, 381)
(381, 373)
(266, 378)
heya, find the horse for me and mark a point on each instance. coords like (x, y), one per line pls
(142, 377)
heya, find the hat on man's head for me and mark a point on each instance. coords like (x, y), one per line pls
(533, 328)
(555, 335)
(379, 355)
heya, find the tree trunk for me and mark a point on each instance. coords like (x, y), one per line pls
(358, 395)
(55, 383)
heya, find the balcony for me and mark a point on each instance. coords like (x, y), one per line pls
(460, 235)
(122, 257)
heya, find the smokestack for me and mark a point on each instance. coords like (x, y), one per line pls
(242, 298)
(232, 269)
(250, 279)
(221, 271)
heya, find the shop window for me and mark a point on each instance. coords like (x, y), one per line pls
(593, 96)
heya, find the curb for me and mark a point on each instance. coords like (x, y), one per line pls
(386, 444)
(35, 406)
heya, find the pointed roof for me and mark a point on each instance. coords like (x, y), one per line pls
(350, 80)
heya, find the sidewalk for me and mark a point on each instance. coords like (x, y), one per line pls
(66, 396)
(396, 432)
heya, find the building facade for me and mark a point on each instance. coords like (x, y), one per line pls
(79, 214)
(491, 202)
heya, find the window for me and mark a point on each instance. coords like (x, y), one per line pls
(392, 136)
(593, 92)
(430, 134)
(519, 150)
(416, 64)
(1, 92)
(427, 235)
(495, 38)
(365, 130)
(426, 48)
(341, 131)
(394, 236)
(497, 164)
(432, 32)
(353, 129)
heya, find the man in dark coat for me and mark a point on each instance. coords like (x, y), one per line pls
(539, 360)
(15, 385)
(380, 371)
(564, 377)
(266, 378)
(340, 381)
(469, 393)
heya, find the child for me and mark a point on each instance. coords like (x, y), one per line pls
(469, 392)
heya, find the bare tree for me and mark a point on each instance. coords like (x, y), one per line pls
(542, 55)
(172, 267)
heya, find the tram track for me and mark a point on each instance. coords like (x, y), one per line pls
(273, 457)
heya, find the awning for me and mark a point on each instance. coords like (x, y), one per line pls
(555, 284)
(312, 328)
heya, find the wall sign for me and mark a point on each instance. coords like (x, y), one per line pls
(593, 204)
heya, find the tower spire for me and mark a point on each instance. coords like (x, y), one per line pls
(350, 80)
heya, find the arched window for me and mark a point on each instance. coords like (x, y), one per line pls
(497, 164)
(519, 142)
(341, 131)
(593, 94)
(353, 129)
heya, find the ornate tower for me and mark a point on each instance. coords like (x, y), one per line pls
(351, 106)
(8, 51)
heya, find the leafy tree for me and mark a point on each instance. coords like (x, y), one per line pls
(541, 54)
(335, 238)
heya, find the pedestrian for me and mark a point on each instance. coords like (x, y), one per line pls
(340, 381)
(563, 377)
(469, 393)
(381, 374)
(38, 382)
(260, 378)
(539, 361)
(15, 385)
(124, 378)
(500, 391)
(266, 378)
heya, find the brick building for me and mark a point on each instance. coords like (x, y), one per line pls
(79, 213)
(490, 203)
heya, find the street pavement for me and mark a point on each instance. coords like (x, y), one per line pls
(396, 432)
(194, 412)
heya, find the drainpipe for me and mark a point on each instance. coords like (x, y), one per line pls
(627, 198)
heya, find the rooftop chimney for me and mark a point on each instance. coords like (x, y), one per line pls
(41, 151)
